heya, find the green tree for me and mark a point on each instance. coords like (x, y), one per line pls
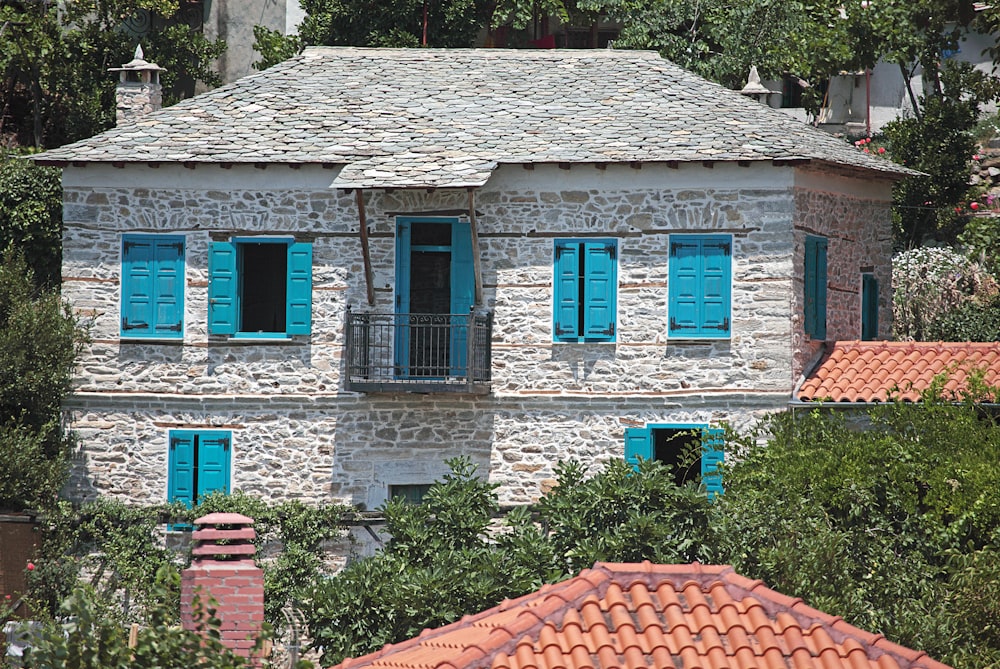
(31, 216)
(90, 639)
(38, 340)
(938, 141)
(55, 58)
(883, 526)
(446, 558)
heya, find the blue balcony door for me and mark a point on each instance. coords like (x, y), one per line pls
(435, 288)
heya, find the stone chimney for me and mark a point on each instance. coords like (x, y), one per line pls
(139, 91)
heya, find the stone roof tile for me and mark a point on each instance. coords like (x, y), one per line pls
(447, 117)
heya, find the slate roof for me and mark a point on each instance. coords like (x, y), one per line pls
(445, 118)
(633, 616)
(875, 371)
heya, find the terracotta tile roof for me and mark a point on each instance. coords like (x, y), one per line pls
(643, 615)
(413, 118)
(874, 371)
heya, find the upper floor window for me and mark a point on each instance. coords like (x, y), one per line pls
(260, 288)
(152, 286)
(815, 287)
(869, 307)
(585, 290)
(700, 287)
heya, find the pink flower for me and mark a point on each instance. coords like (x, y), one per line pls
(866, 150)
(881, 149)
(975, 156)
(974, 206)
(31, 566)
(958, 210)
(7, 597)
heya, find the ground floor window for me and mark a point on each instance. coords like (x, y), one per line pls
(692, 452)
(199, 463)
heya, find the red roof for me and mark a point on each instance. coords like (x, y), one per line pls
(875, 371)
(650, 616)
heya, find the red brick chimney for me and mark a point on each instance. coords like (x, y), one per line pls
(223, 569)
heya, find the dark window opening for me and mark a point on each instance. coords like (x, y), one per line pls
(412, 493)
(679, 449)
(263, 279)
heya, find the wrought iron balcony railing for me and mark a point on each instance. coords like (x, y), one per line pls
(420, 353)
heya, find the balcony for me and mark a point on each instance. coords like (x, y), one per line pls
(418, 353)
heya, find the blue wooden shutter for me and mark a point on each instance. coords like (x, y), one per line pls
(716, 263)
(712, 455)
(815, 287)
(599, 291)
(169, 287)
(138, 269)
(638, 444)
(463, 294)
(222, 288)
(700, 275)
(566, 311)
(180, 467)
(299, 289)
(213, 463)
(685, 288)
(869, 307)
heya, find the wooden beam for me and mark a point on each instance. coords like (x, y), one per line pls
(365, 252)
(476, 264)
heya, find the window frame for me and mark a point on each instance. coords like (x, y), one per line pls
(815, 275)
(576, 296)
(225, 289)
(722, 327)
(154, 329)
(175, 491)
(638, 443)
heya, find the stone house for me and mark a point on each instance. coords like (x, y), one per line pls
(322, 280)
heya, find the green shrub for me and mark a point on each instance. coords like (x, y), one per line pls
(971, 320)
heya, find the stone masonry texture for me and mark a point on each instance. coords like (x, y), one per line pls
(296, 434)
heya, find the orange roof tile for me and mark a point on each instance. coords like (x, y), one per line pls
(877, 371)
(645, 616)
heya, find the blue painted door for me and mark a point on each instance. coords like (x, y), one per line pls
(435, 290)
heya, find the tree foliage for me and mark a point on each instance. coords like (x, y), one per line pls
(31, 216)
(90, 639)
(54, 59)
(889, 525)
(38, 339)
(930, 283)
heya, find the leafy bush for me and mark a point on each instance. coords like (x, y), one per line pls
(929, 282)
(447, 558)
(38, 339)
(31, 216)
(90, 639)
(884, 526)
(972, 320)
(120, 548)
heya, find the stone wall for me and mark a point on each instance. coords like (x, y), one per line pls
(296, 434)
(859, 234)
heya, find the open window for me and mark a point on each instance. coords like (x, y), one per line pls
(691, 451)
(260, 288)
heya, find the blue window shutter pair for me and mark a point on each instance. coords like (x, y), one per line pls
(639, 445)
(223, 288)
(152, 286)
(869, 307)
(585, 287)
(700, 286)
(198, 464)
(815, 287)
